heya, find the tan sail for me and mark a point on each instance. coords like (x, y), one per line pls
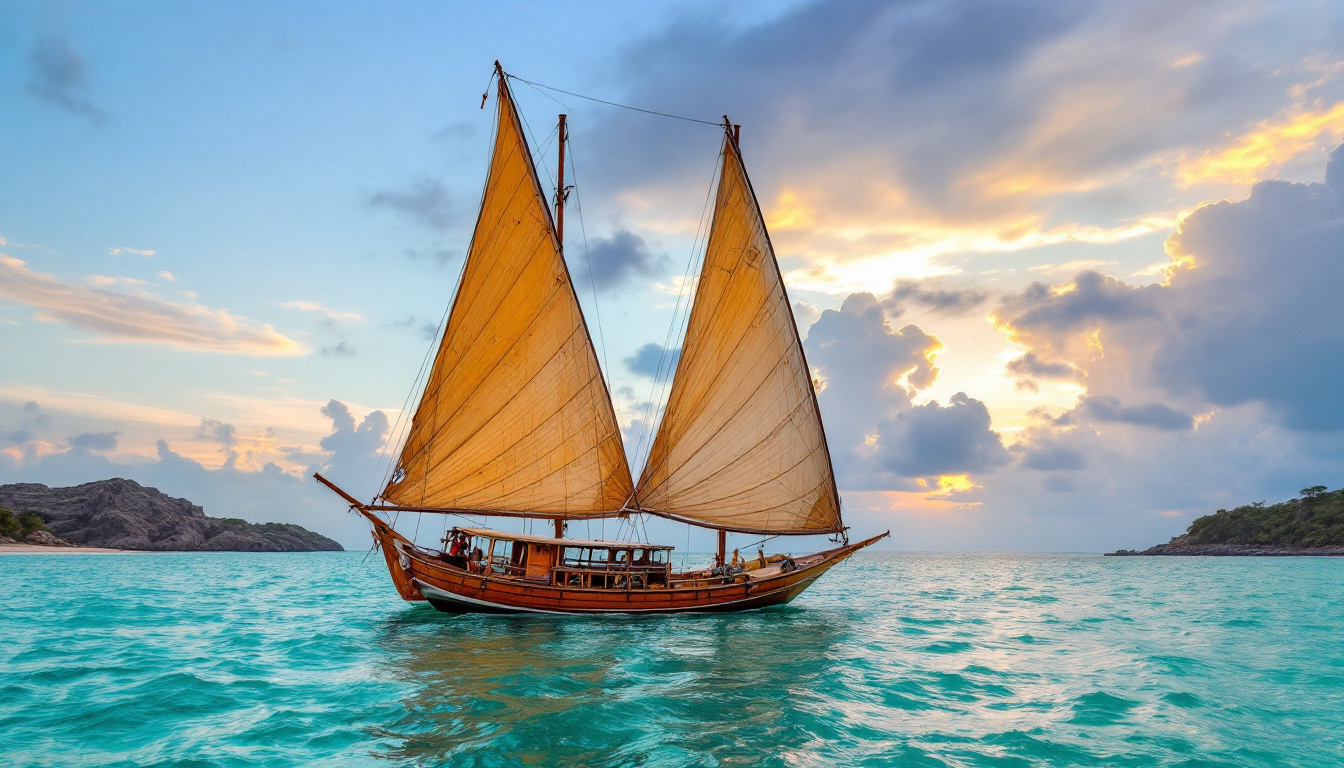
(515, 418)
(741, 445)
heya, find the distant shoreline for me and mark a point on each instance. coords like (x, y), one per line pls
(1229, 550)
(38, 549)
(75, 549)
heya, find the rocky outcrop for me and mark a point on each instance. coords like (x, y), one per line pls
(45, 539)
(122, 514)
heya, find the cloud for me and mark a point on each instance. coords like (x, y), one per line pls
(343, 349)
(354, 449)
(94, 441)
(1256, 317)
(1249, 314)
(328, 315)
(869, 373)
(621, 257)
(1031, 366)
(120, 251)
(33, 412)
(1051, 454)
(57, 76)
(1090, 300)
(139, 317)
(425, 329)
(427, 202)
(222, 433)
(1266, 149)
(1108, 410)
(652, 359)
(1067, 124)
(949, 301)
(932, 440)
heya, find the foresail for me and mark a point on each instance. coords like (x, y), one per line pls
(741, 445)
(515, 417)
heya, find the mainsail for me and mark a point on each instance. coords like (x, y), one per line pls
(515, 418)
(741, 446)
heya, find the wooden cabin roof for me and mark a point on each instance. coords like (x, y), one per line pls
(582, 543)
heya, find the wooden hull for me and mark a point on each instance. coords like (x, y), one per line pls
(420, 575)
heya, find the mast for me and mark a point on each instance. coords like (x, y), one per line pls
(560, 238)
(740, 446)
(515, 418)
(560, 192)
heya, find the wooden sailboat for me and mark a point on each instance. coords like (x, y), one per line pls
(516, 420)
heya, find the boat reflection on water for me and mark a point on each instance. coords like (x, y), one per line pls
(554, 691)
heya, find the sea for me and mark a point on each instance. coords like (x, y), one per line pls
(226, 659)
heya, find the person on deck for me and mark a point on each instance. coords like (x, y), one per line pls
(760, 558)
(736, 565)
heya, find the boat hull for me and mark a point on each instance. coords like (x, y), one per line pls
(418, 575)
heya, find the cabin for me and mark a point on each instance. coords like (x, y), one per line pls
(584, 564)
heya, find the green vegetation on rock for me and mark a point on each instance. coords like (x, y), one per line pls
(19, 526)
(1315, 520)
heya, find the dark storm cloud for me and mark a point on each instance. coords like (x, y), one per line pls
(615, 260)
(57, 76)
(94, 441)
(651, 359)
(426, 202)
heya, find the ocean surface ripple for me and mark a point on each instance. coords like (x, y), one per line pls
(891, 660)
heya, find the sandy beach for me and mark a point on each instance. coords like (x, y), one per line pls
(34, 549)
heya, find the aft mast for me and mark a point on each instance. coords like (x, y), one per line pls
(741, 446)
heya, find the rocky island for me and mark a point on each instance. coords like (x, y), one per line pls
(1310, 525)
(122, 514)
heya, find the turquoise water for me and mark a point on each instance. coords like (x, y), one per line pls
(892, 659)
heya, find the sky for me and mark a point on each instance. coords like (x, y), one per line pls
(1068, 273)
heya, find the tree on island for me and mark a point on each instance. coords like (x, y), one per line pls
(1315, 520)
(19, 526)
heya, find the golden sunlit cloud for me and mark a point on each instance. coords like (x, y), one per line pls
(923, 246)
(1256, 155)
(118, 316)
(950, 484)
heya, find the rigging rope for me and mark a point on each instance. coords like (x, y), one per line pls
(715, 123)
(658, 388)
(404, 417)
